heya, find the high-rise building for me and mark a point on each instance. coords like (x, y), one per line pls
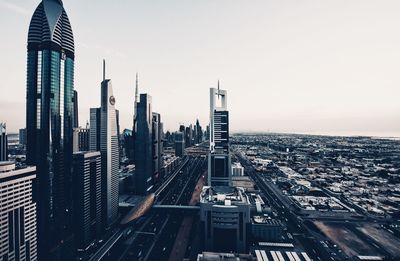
(22, 136)
(120, 147)
(224, 210)
(103, 137)
(198, 133)
(81, 139)
(219, 163)
(128, 145)
(135, 103)
(94, 132)
(109, 149)
(179, 144)
(143, 145)
(188, 136)
(157, 147)
(207, 134)
(76, 118)
(49, 122)
(18, 240)
(87, 198)
(3, 142)
(131, 154)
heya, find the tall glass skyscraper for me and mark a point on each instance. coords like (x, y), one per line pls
(219, 161)
(109, 149)
(104, 138)
(50, 103)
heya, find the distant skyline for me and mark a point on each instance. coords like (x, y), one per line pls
(317, 67)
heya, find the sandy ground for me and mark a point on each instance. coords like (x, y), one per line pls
(181, 241)
(349, 242)
(383, 238)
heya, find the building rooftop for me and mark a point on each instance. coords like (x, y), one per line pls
(6, 166)
(212, 256)
(266, 220)
(223, 195)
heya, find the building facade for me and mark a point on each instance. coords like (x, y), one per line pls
(225, 215)
(157, 148)
(22, 136)
(18, 240)
(81, 138)
(219, 162)
(179, 144)
(104, 137)
(94, 131)
(50, 103)
(128, 144)
(143, 145)
(237, 170)
(88, 221)
(109, 148)
(76, 118)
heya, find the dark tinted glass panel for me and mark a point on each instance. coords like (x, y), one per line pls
(28, 251)
(22, 226)
(11, 231)
(224, 240)
(220, 167)
(241, 226)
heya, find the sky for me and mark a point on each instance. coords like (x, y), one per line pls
(297, 66)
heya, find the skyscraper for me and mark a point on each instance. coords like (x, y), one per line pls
(49, 107)
(109, 149)
(179, 144)
(224, 210)
(143, 145)
(76, 119)
(157, 146)
(87, 197)
(136, 103)
(22, 136)
(81, 139)
(219, 163)
(18, 240)
(198, 133)
(94, 133)
(128, 144)
(3, 142)
(131, 154)
(188, 136)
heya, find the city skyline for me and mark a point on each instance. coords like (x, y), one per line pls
(234, 184)
(277, 61)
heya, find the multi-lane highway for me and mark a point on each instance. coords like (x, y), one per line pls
(155, 236)
(140, 240)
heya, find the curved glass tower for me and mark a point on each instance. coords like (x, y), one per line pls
(50, 103)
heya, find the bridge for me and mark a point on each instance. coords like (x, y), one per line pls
(176, 207)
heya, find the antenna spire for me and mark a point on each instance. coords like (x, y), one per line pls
(218, 89)
(104, 69)
(137, 87)
(136, 102)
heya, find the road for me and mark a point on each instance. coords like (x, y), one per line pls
(155, 237)
(286, 213)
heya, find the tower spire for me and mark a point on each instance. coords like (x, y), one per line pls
(104, 69)
(218, 89)
(137, 88)
(136, 102)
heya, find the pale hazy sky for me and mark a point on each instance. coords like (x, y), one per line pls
(322, 66)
